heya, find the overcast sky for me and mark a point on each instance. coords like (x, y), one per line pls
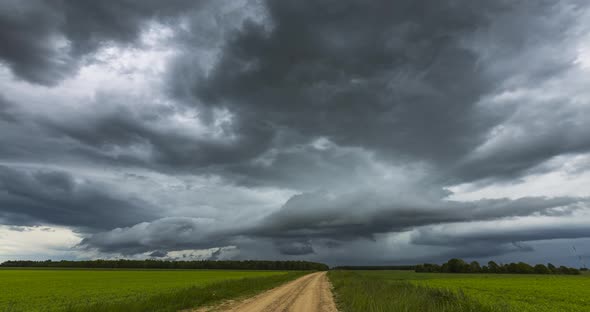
(340, 131)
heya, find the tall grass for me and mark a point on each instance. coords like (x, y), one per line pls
(355, 292)
(192, 297)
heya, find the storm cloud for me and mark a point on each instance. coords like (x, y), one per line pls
(32, 197)
(320, 130)
(63, 32)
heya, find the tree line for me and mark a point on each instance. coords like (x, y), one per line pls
(163, 264)
(460, 266)
(376, 267)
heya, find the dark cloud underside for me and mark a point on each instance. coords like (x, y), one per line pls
(54, 197)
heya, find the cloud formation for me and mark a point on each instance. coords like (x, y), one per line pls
(55, 197)
(63, 32)
(295, 129)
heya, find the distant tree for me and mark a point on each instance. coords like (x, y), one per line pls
(511, 268)
(541, 269)
(474, 267)
(493, 267)
(431, 268)
(457, 266)
(378, 267)
(524, 268)
(565, 270)
(160, 264)
(435, 268)
(574, 271)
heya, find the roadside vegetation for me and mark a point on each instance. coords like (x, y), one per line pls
(410, 291)
(128, 290)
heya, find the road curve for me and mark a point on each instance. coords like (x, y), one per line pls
(310, 293)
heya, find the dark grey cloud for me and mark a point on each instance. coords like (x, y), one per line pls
(172, 233)
(43, 41)
(370, 75)
(31, 197)
(403, 79)
(529, 138)
(6, 110)
(216, 254)
(32, 49)
(316, 217)
(349, 216)
(486, 234)
(159, 254)
(113, 134)
(294, 247)
(493, 239)
(121, 127)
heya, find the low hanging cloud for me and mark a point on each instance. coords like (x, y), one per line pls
(504, 231)
(31, 197)
(6, 114)
(160, 235)
(343, 218)
(365, 214)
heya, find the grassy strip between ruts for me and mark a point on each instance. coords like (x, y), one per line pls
(355, 292)
(192, 297)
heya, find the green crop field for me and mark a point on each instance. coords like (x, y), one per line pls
(410, 291)
(125, 290)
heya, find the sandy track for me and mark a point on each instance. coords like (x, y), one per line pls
(310, 293)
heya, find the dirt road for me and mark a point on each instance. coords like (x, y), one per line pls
(310, 293)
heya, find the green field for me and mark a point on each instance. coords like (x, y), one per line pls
(406, 290)
(108, 290)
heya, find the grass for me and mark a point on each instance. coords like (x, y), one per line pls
(128, 290)
(356, 291)
(409, 291)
